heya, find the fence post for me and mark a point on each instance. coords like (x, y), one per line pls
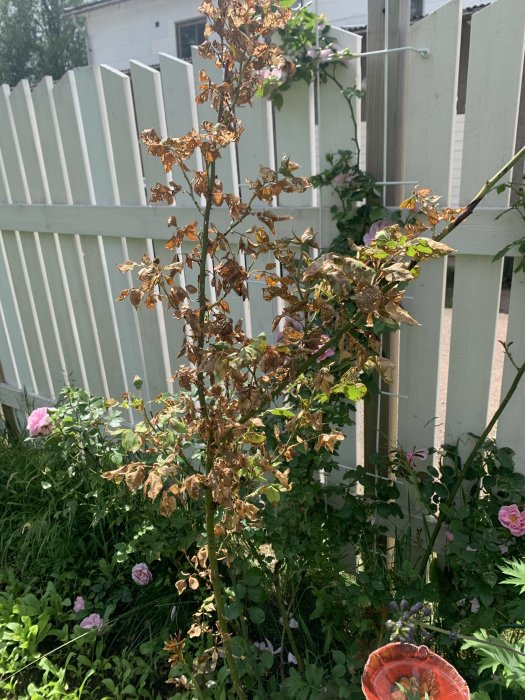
(381, 410)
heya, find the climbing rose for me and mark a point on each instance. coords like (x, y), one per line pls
(410, 457)
(79, 604)
(141, 574)
(374, 230)
(39, 422)
(511, 518)
(92, 621)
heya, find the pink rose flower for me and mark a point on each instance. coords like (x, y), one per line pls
(93, 621)
(141, 574)
(329, 352)
(449, 536)
(79, 604)
(39, 422)
(513, 519)
(374, 230)
(410, 457)
(325, 54)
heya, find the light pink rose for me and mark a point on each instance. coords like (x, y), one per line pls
(79, 604)
(513, 519)
(374, 230)
(325, 54)
(342, 179)
(449, 536)
(39, 422)
(328, 352)
(410, 457)
(141, 574)
(264, 73)
(93, 621)
(312, 52)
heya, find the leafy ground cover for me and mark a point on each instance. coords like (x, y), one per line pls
(89, 607)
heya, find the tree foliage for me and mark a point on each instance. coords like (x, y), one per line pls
(37, 40)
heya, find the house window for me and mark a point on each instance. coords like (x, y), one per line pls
(416, 9)
(189, 34)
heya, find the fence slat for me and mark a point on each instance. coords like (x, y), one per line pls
(294, 136)
(150, 326)
(510, 431)
(149, 110)
(430, 128)
(336, 130)
(501, 27)
(178, 90)
(227, 164)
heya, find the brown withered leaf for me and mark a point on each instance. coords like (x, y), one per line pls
(193, 583)
(168, 503)
(123, 294)
(399, 314)
(153, 485)
(127, 266)
(329, 440)
(181, 585)
(135, 297)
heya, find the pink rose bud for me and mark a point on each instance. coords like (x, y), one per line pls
(79, 604)
(141, 574)
(93, 621)
(39, 422)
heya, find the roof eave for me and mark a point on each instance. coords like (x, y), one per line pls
(89, 7)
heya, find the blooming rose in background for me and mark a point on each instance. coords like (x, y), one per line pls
(93, 621)
(79, 604)
(410, 457)
(374, 230)
(513, 519)
(39, 422)
(141, 574)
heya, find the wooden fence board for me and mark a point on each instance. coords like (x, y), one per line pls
(294, 136)
(430, 129)
(501, 27)
(510, 431)
(149, 111)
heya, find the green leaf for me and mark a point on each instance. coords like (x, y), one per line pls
(130, 441)
(257, 615)
(233, 611)
(287, 3)
(339, 657)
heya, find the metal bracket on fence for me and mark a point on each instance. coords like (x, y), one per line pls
(425, 53)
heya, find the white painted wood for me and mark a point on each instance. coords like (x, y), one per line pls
(255, 148)
(150, 325)
(43, 303)
(294, 132)
(96, 133)
(477, 284)
(50, 142)
(488, 143)
(226, 166)
(336, 130)
(134, 220)
(510, 432)
(494, 79)
(178, 89)
(149, 111)
(80, 297)
(430, 129)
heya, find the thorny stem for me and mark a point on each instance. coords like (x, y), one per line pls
(468, 463)
(209, 506)
(467, 211)
(286, 624)
(352, 114)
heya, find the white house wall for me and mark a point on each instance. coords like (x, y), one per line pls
(127, 30)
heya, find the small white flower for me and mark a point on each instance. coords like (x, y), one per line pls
(291, 658)
(474, 605)
(293, 623)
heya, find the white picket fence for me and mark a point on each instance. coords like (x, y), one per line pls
(73, 204)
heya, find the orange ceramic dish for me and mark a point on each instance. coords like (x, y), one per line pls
(415, 669)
